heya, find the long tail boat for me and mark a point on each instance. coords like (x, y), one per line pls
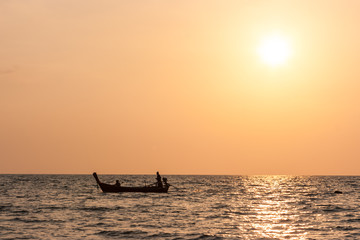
(114, 188)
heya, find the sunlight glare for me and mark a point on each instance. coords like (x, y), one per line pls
(274, 50)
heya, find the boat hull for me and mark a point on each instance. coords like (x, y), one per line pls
(115, 189)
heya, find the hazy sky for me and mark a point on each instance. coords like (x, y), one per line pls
(178, 86)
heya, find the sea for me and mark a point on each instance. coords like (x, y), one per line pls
(196, 207)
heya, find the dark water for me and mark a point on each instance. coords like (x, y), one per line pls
(205, 207)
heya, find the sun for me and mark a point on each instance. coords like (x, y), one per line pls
(274, 50)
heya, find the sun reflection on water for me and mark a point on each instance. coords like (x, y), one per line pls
(274, 207)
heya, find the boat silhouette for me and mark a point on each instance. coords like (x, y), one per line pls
(158, 187)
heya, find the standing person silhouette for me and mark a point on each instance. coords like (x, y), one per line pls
(158, 179)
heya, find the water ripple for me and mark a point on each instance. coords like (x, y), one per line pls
(205, 207)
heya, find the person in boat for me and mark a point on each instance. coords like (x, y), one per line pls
(158, 179)
(165, 182)
(117, 184)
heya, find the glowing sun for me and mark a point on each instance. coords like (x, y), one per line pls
(274, 50)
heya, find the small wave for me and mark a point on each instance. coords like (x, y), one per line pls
(54, 208)
(160, 235)
(346, 228)
(121, 233)
(334, 209)
(219, 206)
(5, 208)
(353, 220)
(313, 229)
(203, 236)
(281, 221)
(312, 194)
(242, 213)
(217, 216)
(99, 209)
(17, 219)
(96, 224)
(21, 212)
(212, 191)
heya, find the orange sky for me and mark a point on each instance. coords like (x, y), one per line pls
(177, 86)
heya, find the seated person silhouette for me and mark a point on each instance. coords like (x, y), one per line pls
(117, 184)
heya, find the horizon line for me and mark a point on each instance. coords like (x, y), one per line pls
(182, 174)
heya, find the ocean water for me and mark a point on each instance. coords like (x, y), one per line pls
(202, 207)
